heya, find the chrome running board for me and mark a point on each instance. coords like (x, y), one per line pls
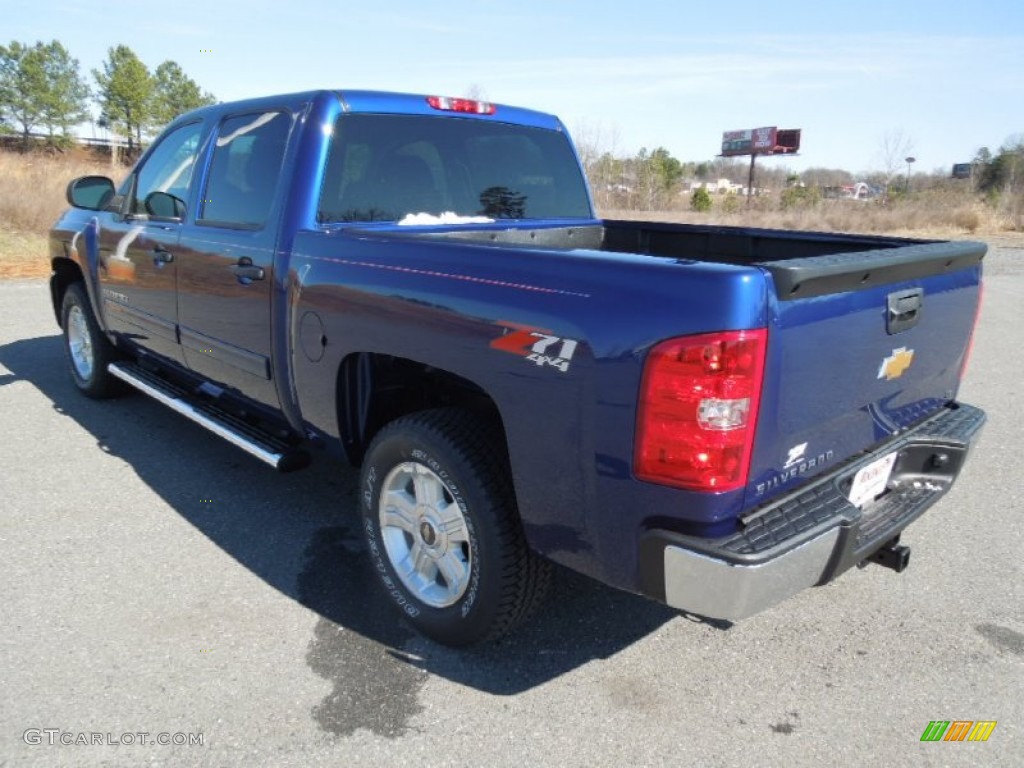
(256, 442)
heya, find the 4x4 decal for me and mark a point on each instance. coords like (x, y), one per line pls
(537, 345)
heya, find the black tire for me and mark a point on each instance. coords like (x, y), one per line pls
(87, 350)
(504, 580)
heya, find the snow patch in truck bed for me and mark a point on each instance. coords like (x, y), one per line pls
(448, 217)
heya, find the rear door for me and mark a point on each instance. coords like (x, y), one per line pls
(863, 346)
(226, 269)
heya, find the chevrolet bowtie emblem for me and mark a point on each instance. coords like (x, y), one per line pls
(896, 364)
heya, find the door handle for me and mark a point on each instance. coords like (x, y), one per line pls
(246, 271)
(161, 256)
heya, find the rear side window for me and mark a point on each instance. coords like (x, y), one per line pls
(245, 170)
(384, 167)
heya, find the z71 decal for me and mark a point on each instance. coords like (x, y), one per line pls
(537, 345)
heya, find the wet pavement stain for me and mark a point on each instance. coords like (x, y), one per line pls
(357, 645)
(786, 727)
(377, 664)
(1003, 638)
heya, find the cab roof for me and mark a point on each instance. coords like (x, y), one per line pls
(383, 102)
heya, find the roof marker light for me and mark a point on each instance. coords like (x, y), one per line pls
(468, 106)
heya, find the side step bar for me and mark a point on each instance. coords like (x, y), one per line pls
(263, 445)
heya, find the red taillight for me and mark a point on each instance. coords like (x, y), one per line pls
(698, 408)
(461, 105)
(974, 330)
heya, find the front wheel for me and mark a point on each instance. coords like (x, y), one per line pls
(88, 350)
(442, 528)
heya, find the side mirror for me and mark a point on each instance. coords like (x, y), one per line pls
(164, 205)
(90, 192)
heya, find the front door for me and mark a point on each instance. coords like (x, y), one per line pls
(138, 259)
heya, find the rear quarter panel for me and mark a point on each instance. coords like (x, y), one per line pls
(570, 434)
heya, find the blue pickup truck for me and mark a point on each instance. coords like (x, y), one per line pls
(713, 417)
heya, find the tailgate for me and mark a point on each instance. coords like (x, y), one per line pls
(861, 346)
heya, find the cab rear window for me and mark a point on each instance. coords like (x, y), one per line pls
(385, 167)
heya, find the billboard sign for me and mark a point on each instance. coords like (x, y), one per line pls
(760, 141)
(737, 142)
(764, 139)
(787, 141)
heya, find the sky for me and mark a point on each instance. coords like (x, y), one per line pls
(946, 76)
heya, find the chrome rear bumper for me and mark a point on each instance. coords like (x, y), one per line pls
(813, 534)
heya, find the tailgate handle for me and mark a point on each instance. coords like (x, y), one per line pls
(904, 310)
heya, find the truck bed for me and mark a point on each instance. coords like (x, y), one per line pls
(802, 264)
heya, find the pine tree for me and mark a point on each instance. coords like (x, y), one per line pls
(174, 93)
(125, 93)
(22, 85)
(66, 96)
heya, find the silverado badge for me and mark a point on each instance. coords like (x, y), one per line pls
(896, 364)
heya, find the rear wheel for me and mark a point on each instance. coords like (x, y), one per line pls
(442, 528)
(88, 350)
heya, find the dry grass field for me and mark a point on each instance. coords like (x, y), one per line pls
(931, 215)
(32, 197)
(23, 255)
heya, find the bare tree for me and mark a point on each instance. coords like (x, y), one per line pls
(588, 140)
(597, 147)
(594, 140)
(894, 147)
(476, 92)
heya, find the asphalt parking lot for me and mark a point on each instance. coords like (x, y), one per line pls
(159, 584)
